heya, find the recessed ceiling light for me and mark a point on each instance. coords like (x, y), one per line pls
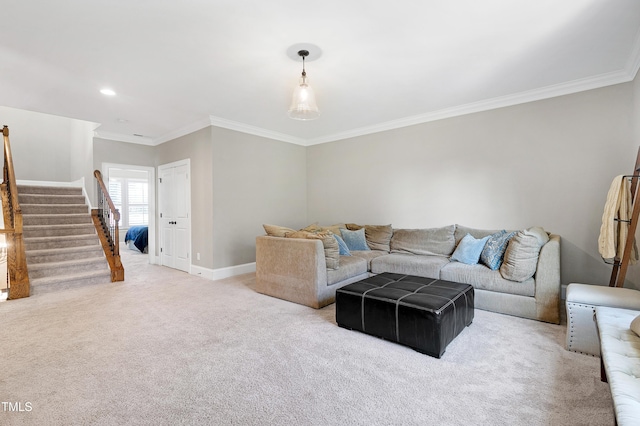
(107, 92)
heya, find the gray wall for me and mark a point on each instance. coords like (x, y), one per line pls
(546, 163)
(255, 181)
(238, 182)
(197, 148)
(108, 151)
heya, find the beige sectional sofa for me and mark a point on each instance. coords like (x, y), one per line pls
(295, 269)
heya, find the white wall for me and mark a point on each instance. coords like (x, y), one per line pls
(47, 147)
(546, 163)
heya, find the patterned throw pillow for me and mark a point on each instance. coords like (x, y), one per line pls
(469, 250)
(494, 249)
(355, 240)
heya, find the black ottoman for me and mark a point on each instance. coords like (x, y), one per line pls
(423, 313)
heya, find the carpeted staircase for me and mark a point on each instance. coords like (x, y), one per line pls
(62, 246)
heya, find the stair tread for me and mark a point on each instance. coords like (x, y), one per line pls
(61, 237)
(70, 277)
(59, 226)
(69, 263)
(57, 214)
(63, 250)
(52, 205)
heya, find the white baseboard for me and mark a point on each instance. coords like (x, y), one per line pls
(220, 273)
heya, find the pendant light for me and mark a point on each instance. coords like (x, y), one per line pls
(303, 103)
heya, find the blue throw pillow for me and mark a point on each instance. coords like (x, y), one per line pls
(469, 250)
(355, 240)
(342, 246)
(493, 251)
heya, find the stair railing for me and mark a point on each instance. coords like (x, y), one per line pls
(106, 218)
(19, 285)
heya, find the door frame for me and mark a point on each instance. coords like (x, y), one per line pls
(185, 162)
(152, 200)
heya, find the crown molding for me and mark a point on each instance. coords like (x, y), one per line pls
(141, 140)
(183, 131)
(257, 131)
(547, 92)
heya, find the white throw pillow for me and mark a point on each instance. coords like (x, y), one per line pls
(635, 325)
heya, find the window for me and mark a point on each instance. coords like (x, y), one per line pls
(131, 197)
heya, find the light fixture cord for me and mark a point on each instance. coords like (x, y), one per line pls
(304, 73)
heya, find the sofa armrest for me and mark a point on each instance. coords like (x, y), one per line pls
(291, 269)
(596, 295)
(547, 277)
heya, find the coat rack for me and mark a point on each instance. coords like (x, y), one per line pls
(619, 271)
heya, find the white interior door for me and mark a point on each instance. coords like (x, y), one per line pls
(175, 218)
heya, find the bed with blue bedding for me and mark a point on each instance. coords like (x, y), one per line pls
(138, 236)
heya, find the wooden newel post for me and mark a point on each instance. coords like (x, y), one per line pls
(19, 286)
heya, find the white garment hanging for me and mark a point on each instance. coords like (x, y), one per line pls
(613, 233)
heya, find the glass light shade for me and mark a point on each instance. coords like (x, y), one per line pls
(303, 103)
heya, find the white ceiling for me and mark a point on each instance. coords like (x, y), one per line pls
(181, 65)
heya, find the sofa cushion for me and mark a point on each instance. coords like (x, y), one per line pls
(493, 251)
(368, 255)
(483, 278)
(330, 244)
(621, 358)
(276, 231)
(314, 227)
(469, 249)
(520, 258)
(430, 241)
(350, 266)
(462, 230)
(409, 264)
(355, 240)
(334, 228)
(378, 236)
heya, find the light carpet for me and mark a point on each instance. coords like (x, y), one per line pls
(166, 348)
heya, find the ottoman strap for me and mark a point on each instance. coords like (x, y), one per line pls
(449, 301)
(376, 288)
